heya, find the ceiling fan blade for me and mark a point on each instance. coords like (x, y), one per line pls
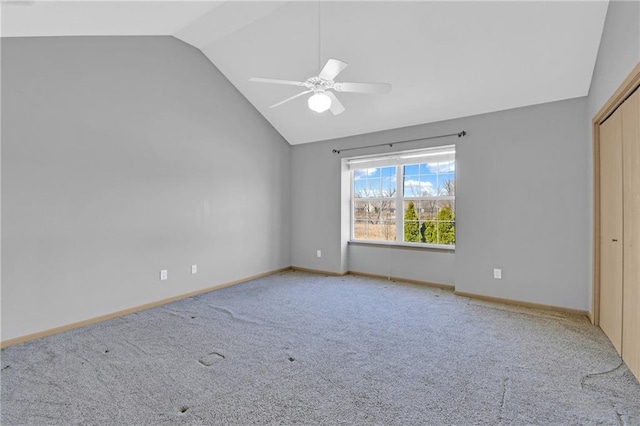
(273, 80)
(332, 68)
(336, 106)
(292, 97)
(362, 87)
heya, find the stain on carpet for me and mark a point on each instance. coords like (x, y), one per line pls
(211, 359)
(616, 384)
(234, 316)
(505, 389)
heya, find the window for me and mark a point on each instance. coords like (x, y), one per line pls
(407, 197)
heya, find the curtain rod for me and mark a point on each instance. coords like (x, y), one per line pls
(460, 134)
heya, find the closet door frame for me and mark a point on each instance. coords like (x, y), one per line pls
(631, 83)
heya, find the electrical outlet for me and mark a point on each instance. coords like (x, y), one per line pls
(194, 269)
(164, 275)
(318, 253)
(497, 274)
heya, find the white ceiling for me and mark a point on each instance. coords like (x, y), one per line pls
(445, 59)
(70, 18)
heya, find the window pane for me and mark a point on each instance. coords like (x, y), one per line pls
(360, 210)
(373, 172)
(429, 231)
(411, 169)
(446, 226)
(373, 188)
(420, 185)
(446, 232)
(412, 231)
(369, 183)
(359, 188)
(446, 209)
(447, 184)
(432, 167)
(359, 174)
(388, 186)
(426, 209)
(447, 167)
(429, 221)
(388, 171)
(360, 230)
(412, 185)
(411, 223)
(382, 210)
(429, 185)
(382, 231)
(374, 220)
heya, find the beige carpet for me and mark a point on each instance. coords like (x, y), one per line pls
(299, 348)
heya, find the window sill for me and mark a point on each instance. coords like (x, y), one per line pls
(403, 246)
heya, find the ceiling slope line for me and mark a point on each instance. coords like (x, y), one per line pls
(199, 32)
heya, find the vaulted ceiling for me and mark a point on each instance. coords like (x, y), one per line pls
(444, 59)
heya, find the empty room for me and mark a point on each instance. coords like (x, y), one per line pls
(320, 212)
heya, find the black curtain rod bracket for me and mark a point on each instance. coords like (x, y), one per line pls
(391, 144)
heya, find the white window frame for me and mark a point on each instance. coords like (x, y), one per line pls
(399, 160)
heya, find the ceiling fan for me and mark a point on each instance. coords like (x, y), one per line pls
(321, 85)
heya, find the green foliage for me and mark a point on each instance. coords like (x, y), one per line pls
(429, 232)
(446, 228)
(441, 232)
(411, 230)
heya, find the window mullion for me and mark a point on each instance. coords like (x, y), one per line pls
(399, 203)
(352, 201)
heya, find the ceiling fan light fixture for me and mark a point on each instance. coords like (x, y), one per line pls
(323, 87)
(319, 102)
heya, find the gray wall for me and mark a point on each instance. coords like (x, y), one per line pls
(522, 206)
(435, 266)
(123, 156)
(619, 52)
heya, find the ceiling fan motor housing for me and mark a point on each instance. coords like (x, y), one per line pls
(318, 83)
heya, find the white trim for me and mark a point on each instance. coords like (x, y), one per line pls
(398, 158)
(399, 203)
(427, 154)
